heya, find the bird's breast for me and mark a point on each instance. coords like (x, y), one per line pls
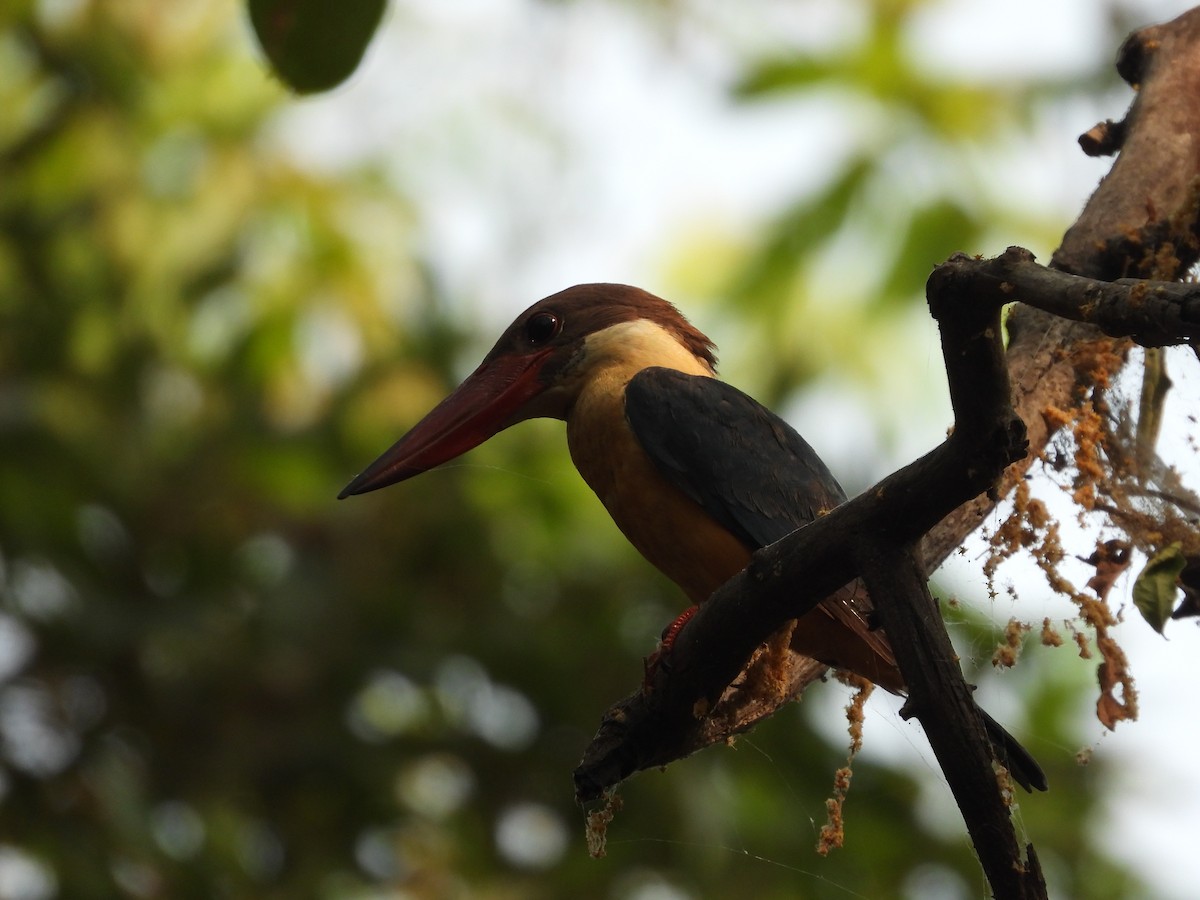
(666, 526)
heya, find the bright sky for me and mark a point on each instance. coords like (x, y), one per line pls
(623, 137)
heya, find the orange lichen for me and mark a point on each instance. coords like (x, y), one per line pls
(832, 834)
(1089, 463)
(1112, 673)
(1055, 418)
(1030, 528)
(854, 709)
(766, 675)
(1081, 641)
(1112, 706)
(1050, 636)
(1007, 652)
(598, 821)
(1015, 533)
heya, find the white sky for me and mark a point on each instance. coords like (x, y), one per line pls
(623, 137)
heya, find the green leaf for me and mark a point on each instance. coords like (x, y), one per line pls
(788, 74)
(800, 229)
(315, 45)
(1157, 587)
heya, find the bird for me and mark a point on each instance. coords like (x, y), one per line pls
(695, 473)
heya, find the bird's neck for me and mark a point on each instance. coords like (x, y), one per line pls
(615, 354)
(611, 357)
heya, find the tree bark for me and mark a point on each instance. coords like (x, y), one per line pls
(1141, 221)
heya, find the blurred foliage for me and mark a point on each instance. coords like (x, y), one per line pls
(217, 681)
(905, 194)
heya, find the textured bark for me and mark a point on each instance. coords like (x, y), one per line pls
(1141, 221)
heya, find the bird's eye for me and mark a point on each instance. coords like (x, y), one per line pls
(542, 328)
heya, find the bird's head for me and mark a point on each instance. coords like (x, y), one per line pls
(536, 370)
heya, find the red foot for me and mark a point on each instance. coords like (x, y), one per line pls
(666, 641)
(672, 631)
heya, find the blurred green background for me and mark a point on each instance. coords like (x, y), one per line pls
(217, 681)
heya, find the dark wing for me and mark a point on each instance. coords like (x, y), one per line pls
(743, 464)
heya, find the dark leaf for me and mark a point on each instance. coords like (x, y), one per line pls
(1157, 586)
(315, 45)
(934, 232)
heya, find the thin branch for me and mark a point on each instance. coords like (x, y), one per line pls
(941, 699)
(1151, 313)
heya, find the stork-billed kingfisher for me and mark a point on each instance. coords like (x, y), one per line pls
(695, 473)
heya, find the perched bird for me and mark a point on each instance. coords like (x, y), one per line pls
(695, 473)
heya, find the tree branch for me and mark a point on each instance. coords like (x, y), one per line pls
(1150, 313)
(941, 699)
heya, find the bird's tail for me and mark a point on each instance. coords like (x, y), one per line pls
(1021, 765)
